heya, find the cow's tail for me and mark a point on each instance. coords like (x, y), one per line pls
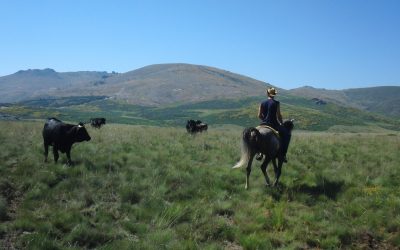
(249, 145)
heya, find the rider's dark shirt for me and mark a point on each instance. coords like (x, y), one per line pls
(269, 113)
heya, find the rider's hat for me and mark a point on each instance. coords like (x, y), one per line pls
(271, 92)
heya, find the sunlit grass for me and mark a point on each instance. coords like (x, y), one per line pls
(141, 187)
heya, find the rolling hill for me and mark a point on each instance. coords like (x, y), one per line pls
(170, 94)
(242, 112)
(384, 100)
(153, 85)
(35, 83)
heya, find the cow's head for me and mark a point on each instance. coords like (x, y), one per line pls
(81, 133)
(190, 123)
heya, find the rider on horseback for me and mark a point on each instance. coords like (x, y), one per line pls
(270, 114)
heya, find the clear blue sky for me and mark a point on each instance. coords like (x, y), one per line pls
(332, 44)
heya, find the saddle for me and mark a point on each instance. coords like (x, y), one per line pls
(268, 127)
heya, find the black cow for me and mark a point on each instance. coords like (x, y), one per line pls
(61, 136)
(97, 122)
(193, 126)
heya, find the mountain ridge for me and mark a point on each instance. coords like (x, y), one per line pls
(158, 85)
(34, 83)
(152, 85)
(381, 99)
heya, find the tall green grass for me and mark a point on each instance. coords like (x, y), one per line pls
(141, 187)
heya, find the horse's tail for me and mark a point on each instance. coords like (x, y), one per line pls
(249, 143)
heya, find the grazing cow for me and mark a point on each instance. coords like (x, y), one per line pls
(61, 136)
(97, 122)
(193, 126)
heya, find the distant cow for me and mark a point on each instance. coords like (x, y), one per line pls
(97, 122)
(61, 136)
(193, 126)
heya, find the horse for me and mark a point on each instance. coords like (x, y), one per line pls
(262, 140)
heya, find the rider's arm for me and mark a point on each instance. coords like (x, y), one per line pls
(260, 112)
(279, 115)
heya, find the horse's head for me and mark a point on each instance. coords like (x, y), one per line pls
(289, 124)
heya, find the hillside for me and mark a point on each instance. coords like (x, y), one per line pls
(242, 112)
(178, 83)
(31, 84)
(334, 96)
(153, 85)
(169, 94)
(384, 100)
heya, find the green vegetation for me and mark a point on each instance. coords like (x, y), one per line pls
(242, 112)
(143, 187)
(61, 101)
(383, 100)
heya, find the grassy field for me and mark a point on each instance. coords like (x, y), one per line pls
(142, 187)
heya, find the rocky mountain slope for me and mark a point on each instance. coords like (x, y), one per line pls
(151, 86)
(384, 100)
(176, 84)
(32, 84)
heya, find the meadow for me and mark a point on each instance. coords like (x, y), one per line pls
(145, 187)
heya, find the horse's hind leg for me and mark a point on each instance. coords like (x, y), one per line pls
(277, 170)
(248, 170)
(264, 166)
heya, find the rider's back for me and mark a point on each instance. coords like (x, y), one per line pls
(269, 112)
